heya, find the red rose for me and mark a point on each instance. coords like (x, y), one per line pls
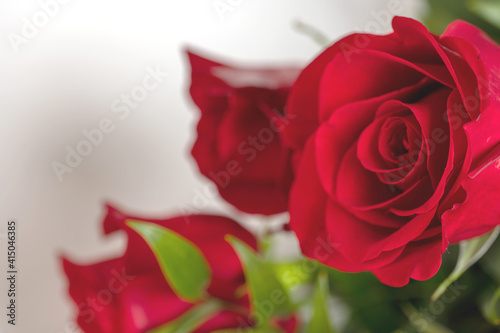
(401, 141)
(239, 145)
(130, 294)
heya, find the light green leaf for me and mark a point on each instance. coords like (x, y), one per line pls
(489, 10)
(320, 321)
(295, 273)
(470, 252)
(190, 320)
(182, 263)
(268, 297)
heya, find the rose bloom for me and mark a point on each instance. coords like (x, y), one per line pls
(239, 145)
(400, 140)
(129, 294)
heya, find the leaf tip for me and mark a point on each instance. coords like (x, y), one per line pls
(132, 224)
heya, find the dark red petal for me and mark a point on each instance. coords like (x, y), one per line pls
(256, 198)
(240, 119)
(239, 132)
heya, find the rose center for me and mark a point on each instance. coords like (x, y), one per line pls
(394, 143)
(398, 144)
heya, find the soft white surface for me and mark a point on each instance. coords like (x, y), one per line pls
(64, 81)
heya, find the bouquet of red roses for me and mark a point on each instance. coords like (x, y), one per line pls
(382, 153)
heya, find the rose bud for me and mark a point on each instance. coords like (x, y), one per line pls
(239, 145)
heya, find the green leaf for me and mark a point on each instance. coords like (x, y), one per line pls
(470, 252)
(190, 320)
(488, 10)
(249, 330)
(268, 297)
(489, 263)
(442, 12)
(295, 273)
(320, 321)
(182, 263)
(491, 308)
(371, 303)
(421, 322)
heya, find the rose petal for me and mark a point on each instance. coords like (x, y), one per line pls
(349, 232)
(225, 320)
(303, 102)
(361, 189)
(323, 250)
(143, 298)
(480, 212)
(373, 153)
(483, 55)
(345, 126)
(368, 73)
(419, 261)
(307, 198)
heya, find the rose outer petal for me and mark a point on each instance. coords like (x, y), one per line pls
(143, 298)
(368, 73)
(480, 212)
(484, 58)
(349, 232)
(419, 261)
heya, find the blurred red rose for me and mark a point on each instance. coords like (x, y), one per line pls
(401, 141)
(129, 294)
(239, 145)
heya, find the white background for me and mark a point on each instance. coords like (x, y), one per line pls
(64, 80)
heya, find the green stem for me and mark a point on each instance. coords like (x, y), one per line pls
(312, 32)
